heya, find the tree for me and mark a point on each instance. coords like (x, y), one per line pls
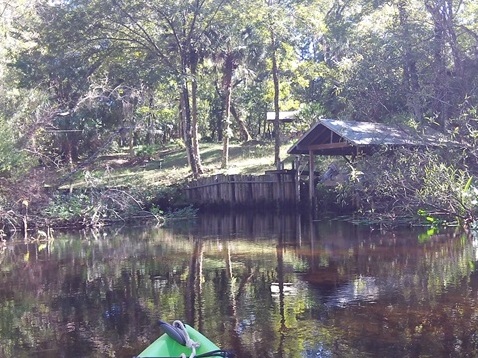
(410, 70)
(87, 41)
(402, 59)
(180, 44)
(281, 16)
(63, 62)
(19, 109)
(229, 52)
(229, 65)
(448, 59)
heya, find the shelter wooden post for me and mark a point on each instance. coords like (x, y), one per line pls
(311, 176)
(297, 179)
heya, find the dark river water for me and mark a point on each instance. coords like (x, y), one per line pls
(261, 286)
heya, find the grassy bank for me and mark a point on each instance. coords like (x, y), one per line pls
(147, 185)
(168, 165)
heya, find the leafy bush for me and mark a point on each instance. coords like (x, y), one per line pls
(95, 207)
(410, 183)
(68, 207)
(12, 161)
(147, 151)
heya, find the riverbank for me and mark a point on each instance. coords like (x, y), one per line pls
(118, 187)
(149, 186)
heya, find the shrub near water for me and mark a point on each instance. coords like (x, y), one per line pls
(12, 161)
(407, 182)
(95, 207)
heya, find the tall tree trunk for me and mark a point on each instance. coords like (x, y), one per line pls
(186, 123)
(189, 116)
(227, 87)
(128, 118)
(440, 104)
(218, 115)
(151, 135)
(198, 170)
(456, 53)
(131, 142)
(275, 77)
(67, 151)
(410, 72)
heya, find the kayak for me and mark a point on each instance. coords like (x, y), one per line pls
(182, 340)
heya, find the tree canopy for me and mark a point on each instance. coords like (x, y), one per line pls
(101, 66)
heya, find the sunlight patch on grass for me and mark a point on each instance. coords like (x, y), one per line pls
(171, 166)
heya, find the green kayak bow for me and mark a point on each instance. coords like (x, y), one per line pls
(182, 341)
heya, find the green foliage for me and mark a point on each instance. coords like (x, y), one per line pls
(407, 183)
(159, 197)
(93, 207)
(427, 235)
(12, 160)
(447, 188)
(68, 208)
(78, 78)
(147, 151)
(353, 60)
(334, 200)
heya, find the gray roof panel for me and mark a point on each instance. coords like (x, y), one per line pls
(365, 134)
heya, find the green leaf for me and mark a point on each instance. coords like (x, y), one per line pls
(468, 184)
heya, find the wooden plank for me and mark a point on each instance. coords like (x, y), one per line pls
(232, 189)
(225, 195)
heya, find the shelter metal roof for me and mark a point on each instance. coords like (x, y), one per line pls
(338, 137)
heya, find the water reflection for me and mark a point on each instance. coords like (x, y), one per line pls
(357, 291)
(263, 286)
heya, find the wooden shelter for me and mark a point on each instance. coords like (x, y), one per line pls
(349, 138)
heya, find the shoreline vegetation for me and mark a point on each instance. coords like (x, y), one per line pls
(108, 108)
(148, 187)
(116, 188)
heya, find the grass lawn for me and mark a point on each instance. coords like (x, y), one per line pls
(169, 165)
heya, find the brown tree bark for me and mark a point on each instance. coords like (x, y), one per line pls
(410, 72)
(189, 114)
(444, 36)
(227, 88)
(275, 77)
(197, 169)
(245, 135)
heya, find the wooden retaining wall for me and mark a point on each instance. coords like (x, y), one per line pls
(278, 188)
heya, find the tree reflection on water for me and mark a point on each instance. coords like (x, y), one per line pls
(262, 286)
